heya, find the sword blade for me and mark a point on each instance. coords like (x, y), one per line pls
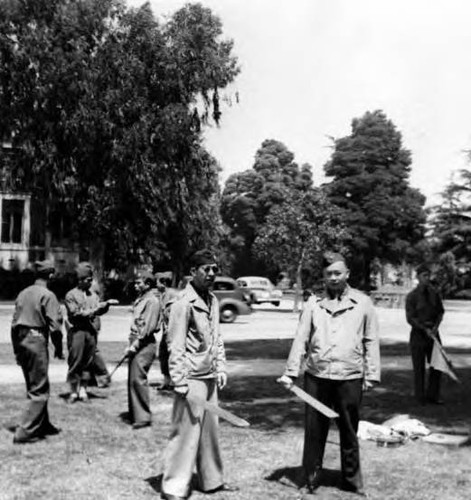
(316, 404)
(220, 412)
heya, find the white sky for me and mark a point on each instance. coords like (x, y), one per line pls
(310, 66)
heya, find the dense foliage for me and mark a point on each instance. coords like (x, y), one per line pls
(369, 171)
(102, 102)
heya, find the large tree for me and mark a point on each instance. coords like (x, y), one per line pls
(103, 102)
(250, 196)
(297, 232)
(369, 172)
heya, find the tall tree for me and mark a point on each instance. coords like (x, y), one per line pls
(103, 101)
(249, 196)
(370, 171)
(297, 232)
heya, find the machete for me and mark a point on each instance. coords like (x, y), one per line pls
(316, 404)
(120, 362)
(217, 410)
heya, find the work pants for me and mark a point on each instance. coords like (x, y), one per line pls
(138, 387)
(81, 345)
(421, 348)
(100, 375)
(31, 351)
(193, 442)
(344, 396)
(163, 356)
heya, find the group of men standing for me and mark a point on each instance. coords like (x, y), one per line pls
(337, 341)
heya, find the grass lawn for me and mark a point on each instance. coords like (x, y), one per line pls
(98, 456)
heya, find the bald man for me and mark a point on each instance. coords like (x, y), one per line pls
(338, 335)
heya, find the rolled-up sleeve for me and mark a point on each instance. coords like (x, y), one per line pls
(371, 350)
(300, 342)
(176, 338)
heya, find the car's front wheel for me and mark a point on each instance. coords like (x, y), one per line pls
(228, 314)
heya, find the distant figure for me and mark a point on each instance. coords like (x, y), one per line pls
(37, 315)
(167, 297)
(338, 334)
(424, 312)
(142, 348)
(84, 309)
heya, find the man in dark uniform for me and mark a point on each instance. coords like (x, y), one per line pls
(424, 312)
(83, 310)
(338, 335)
(37, 315)
(142, 348)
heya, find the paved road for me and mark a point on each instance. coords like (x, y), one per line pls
(266, 322)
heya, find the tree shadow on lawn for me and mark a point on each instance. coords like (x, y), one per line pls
(268, 406)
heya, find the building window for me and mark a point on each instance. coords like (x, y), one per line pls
(12, 220)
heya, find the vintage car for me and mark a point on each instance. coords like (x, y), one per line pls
(261, 290)
(233, 301)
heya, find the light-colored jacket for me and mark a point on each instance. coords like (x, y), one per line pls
(194, 340)
(338, 337)
(146, 312)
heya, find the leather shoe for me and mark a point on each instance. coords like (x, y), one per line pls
(140, 425)
(168, 496)
(228, 488)
(26, 440)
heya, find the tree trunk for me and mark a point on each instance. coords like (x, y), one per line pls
(299, 283)
(48, 232)
(97, 260)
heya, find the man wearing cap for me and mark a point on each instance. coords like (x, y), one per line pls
(424, 312)
(142, 348)
(84, 309)
(37, 315)
(338, 335)
(197, 369)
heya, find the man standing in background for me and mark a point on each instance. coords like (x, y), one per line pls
(167, 297)
(424, 312)
(37, 315)
(84, 309)
(141, 350)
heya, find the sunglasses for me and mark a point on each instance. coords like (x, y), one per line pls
(207, 269)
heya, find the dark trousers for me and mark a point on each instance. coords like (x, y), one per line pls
(30, 347)
(138, 387)
(81, 345)
(100, 375)
(344, 396)
(163, 356)
(421, 348)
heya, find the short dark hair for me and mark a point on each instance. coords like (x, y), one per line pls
(201, 258)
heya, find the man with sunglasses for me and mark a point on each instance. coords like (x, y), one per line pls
(197, 369)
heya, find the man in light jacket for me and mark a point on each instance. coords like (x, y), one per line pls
(142, 348)
(197, 369)
(338, 335)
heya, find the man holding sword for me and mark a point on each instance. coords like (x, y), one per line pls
(424, 312)
(197, 370)
(142, 348)
(338, 335)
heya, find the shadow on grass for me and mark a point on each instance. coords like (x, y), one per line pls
(267, 405)
(293, 477)
(155, 482)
